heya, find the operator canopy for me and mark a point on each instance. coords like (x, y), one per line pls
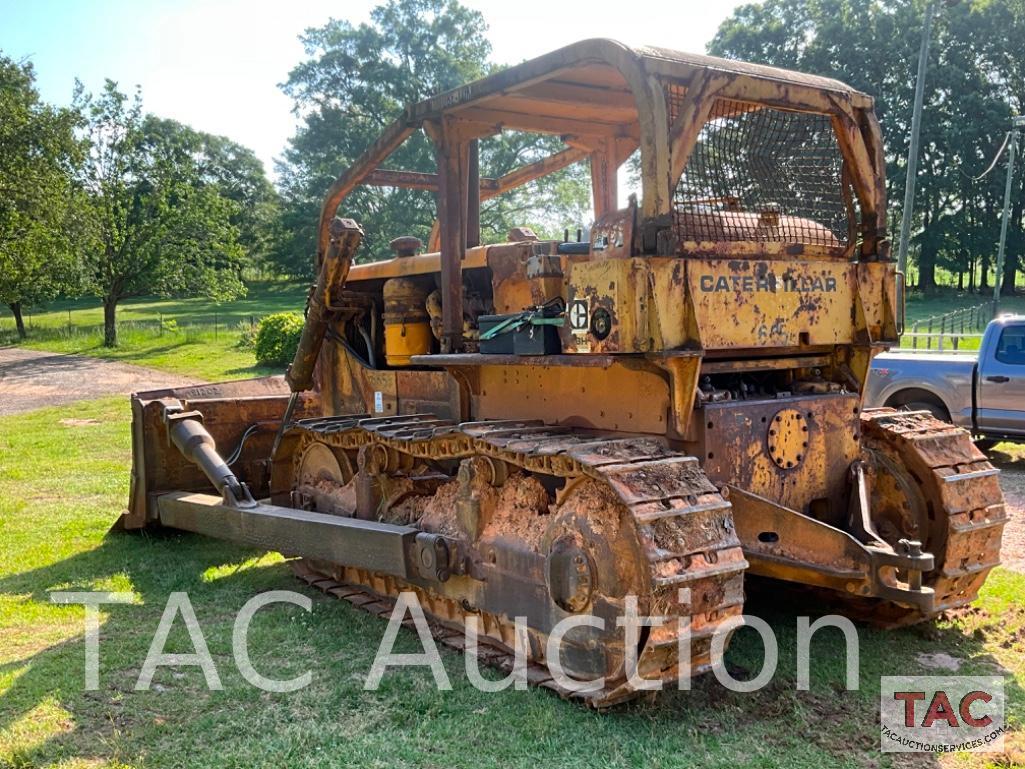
(729, 151)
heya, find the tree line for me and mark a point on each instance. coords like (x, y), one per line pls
(103, 199)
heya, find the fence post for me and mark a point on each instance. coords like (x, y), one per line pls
(160, 320)
(69, 321)
(928, 339)
(215, 325)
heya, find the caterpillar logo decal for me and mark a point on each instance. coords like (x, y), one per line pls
(751, 284)
(577, 314)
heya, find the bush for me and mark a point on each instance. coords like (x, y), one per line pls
(277, 338)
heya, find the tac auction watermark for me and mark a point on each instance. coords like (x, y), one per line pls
(931, 714)
(407, 605)
(942, 714)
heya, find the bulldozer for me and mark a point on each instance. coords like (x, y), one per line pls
(662, 408)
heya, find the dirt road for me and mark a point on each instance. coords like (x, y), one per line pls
(31, 379)
(1011, 461)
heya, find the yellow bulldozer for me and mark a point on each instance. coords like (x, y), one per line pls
(544, 428)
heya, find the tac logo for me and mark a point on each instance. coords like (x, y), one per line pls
(941, 714)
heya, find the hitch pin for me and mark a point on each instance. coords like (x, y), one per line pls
(913, 548)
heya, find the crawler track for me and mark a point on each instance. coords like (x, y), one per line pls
(666, 527)
(942, 491)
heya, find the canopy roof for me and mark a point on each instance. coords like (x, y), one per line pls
(595, 84)
(606, 99)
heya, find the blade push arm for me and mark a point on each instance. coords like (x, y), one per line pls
(346, 237)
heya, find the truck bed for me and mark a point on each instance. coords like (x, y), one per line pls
(979, 390)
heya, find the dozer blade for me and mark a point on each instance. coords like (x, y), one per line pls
(242, 418)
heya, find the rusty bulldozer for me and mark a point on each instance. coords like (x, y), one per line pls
(542, 428)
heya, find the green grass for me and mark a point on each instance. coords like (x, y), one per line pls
(195, 337)
(946, 300)
(62, 485)
(920, 307)
(190, 351)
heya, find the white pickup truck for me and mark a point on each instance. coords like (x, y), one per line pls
(983, 392)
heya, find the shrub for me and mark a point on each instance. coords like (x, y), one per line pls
(277, 338)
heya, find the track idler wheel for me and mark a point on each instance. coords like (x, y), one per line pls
(930, 484)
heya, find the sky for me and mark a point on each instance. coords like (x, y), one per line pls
(216, 65)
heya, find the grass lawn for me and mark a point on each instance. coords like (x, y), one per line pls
(186, 336)
(63, 483)
(189, 351)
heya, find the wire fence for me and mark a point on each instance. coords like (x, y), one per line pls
(951, 330)
(764, 175)
(216, 324)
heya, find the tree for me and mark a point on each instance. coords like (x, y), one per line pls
(156, 227)
(237, 174)
(355, 81)
(975, 82)
(38, 213)
(1001, 28)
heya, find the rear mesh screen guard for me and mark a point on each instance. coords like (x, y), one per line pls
(762, 174)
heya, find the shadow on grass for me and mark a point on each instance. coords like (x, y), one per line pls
(1008, 456)
(179, 725)
(154, 564)
(253, 372)
(128, 344)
